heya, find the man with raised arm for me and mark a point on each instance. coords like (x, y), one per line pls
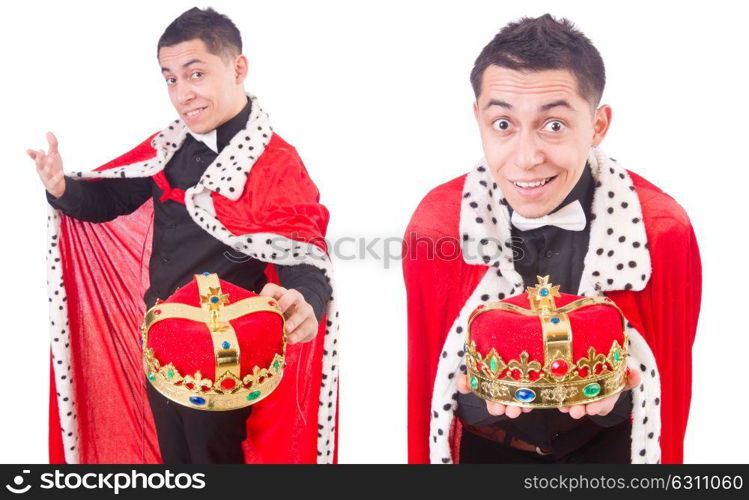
(216, 191)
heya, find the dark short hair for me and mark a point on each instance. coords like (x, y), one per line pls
(543, 43)
(218, 32)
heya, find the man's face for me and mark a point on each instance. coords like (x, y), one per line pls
(536, 131)
(205, 90)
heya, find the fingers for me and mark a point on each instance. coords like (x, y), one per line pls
(301, 324)
(40, 160)
(48, 165)
(495, 409)
(297, 314)
(633, 379)
(45, 164)
(602, 407)
(295, 309)
(38, 157)
(42, 167)
(272, 290)
(513, 411)
(462, 383)
(288, 299)
(304, 332)
(577, 411)
(52, 140)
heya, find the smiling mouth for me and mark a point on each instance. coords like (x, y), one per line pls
(534, 184)
(195, 112)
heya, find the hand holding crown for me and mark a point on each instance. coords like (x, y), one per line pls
(529, 352)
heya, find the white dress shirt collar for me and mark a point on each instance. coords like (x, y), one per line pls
(209, 139)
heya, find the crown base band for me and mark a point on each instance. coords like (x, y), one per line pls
(213, 402)
(546, 395)
(214, 399)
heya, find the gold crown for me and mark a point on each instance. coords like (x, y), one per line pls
(229, 390)
(558, 380)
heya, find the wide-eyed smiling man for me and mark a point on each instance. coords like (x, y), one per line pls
(216, 191)
(546, 200)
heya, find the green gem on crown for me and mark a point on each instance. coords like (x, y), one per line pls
(276, 365)
(170, 373)
(474, 383)
(151, 376)
(617, 356)
(253, 395)
(493, 364)
(591, 390)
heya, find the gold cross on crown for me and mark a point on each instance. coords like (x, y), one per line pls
(215, 299)
(541, 296)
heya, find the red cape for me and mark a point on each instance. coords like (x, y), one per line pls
(98, 274)
(665, 311)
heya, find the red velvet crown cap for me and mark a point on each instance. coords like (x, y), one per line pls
(187, 344)
(510, 333)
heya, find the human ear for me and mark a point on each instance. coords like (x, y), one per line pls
(601, 123)
(241, 67)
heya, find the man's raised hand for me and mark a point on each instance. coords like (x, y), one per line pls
(49, 167)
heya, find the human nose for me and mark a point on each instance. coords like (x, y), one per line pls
(185, 94)
(528, 153)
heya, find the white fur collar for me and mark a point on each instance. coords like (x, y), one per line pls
(225, 175)
(618, 256)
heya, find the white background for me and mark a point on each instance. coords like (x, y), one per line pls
(376, 98)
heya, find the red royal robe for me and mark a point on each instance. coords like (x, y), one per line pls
(654, 276)
(256, 197)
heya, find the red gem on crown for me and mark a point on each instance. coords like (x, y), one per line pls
(559, 368)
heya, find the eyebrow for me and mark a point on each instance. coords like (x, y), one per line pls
(191, 61)
(554, 104)
(544, 107)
